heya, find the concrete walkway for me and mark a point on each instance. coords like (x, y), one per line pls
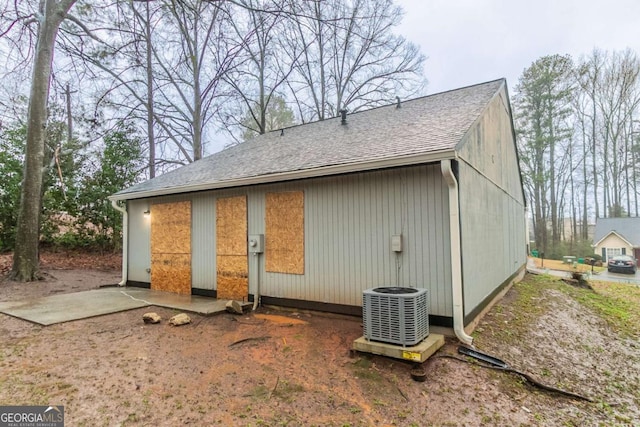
(81, 305)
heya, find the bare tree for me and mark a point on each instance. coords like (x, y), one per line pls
(48, 18)
(610, 82)
(350, 58)
(191, 63)
(259, 78)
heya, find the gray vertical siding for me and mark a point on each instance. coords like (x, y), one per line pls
(492, 233)
(349, 221)
(492, 215)
(203, 241)
(139, 241)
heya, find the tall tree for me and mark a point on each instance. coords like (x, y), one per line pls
(192, 61)
(543, 106)
(347, 57)
(259, 78)
(25, 259)
(610, 82)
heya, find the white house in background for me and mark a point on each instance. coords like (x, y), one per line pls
(617, 236)
(421, 193)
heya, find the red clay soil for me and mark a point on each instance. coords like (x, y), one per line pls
(58, 259)
(275, 368)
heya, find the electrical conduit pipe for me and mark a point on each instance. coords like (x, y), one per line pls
(456, 263)
(125, 240)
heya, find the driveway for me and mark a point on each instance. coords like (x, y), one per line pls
(619, 278)
(603, 276)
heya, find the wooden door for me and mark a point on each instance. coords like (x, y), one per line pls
(232, 264)
(171, 247)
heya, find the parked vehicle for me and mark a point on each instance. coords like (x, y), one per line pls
(622, 264)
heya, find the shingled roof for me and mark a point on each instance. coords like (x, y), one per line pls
(627, 228)
(421, 130)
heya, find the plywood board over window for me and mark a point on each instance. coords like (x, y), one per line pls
(284, 232)
(231, 248)
(171, 247)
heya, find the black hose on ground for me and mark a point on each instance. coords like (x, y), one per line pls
(526, 376)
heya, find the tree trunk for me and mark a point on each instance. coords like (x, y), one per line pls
(25, 257)
(150, 122)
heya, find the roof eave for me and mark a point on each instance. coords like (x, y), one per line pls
(410, 160)
(617, 234)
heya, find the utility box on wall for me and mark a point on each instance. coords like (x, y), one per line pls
(256, 243)
(396, 243)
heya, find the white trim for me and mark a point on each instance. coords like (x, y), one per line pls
(617, 234)
(293, 175)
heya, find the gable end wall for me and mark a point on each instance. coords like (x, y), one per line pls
(492, 208)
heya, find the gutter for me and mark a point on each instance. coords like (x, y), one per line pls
(125, 240)
(322, 171)
(456, 251)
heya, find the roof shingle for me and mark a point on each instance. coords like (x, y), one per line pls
(432, 123)
(628, 228)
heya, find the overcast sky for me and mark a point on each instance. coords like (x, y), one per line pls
(472, 41)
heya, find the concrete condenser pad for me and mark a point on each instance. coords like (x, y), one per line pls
(417, 353)
(81, 305)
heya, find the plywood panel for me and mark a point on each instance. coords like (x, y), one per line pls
(284, 245)
(231, 248)
(171, 273)
(171, 247)
(171, 228)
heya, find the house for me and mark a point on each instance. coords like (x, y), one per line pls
(617, 236)
(423, 193)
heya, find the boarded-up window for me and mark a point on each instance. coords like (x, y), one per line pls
(231, 248)
(284, 234)
(171, 247)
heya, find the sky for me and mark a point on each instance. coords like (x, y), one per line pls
(473, 41)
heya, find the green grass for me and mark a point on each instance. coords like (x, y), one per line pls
(617, 303)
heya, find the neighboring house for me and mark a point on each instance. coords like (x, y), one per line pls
(426, 193)
(617, 236)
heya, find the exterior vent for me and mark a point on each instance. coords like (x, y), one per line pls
(395, 315)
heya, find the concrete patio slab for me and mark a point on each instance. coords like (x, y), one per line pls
(81, 305)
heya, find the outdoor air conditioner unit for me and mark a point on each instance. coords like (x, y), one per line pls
(395, 315)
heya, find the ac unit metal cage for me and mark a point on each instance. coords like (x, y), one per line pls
(395, 315)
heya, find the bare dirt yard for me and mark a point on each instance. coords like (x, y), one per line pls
(296, 368)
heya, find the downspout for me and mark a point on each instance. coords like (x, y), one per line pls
(456, 259)
(125, 240)
(256, 296)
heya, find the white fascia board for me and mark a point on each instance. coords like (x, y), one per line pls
(617, 234)
(435, 156)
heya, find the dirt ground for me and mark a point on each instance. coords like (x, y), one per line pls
(296, 368)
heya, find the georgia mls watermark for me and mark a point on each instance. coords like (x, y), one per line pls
(31, 416)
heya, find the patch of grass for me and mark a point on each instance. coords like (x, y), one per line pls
(516, 312)
(617, 303)
(131, 418)
(362, 369)
(553, 264)
(362, 363)
(259, 392)
(287, 390)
